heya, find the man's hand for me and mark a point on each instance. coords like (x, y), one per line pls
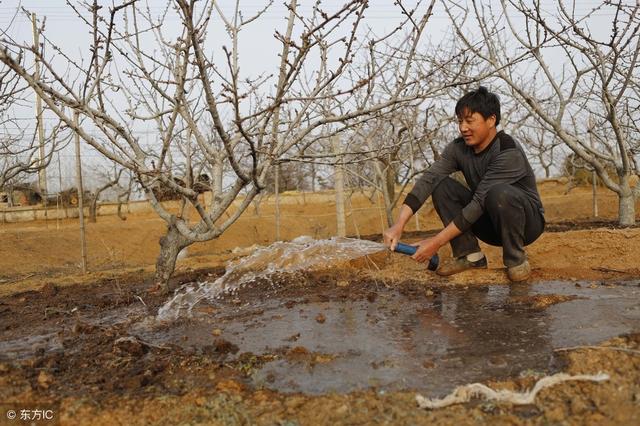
(426, 249)
(392, 235)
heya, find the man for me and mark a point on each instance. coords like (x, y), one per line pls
(502, 207)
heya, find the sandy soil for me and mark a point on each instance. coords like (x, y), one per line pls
(34, 252)
(99, 379)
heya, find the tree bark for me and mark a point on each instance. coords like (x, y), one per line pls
(341, 225)
(93, 209)
(170, 245)
(277, 191)
(626, 205)
(390, 193)
(391, 183)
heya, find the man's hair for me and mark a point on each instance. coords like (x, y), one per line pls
(481, 101)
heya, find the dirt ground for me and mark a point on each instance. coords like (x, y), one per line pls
(103, 376)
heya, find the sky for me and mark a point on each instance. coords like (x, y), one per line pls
(257, 41)
(258, 47)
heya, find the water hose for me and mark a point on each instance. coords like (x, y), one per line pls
(410, 250)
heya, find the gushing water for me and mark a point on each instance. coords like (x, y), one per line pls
(302, 253)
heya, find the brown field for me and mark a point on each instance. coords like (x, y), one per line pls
(40, 282)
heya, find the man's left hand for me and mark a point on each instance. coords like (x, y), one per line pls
(426, 249)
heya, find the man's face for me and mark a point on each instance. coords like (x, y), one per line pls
(477, 131)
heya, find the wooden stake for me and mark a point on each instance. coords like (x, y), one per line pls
(594, 175)
(277, 189)
(42, 173)
(65, 207)
(339, 188)
(83, 241)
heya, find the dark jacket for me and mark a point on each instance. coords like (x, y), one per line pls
(502, 161)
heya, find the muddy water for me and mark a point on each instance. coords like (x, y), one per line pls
(44, 338)
(430, 341)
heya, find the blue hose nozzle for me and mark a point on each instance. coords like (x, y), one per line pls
(410, 250)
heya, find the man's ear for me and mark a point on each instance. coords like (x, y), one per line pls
(492, 120)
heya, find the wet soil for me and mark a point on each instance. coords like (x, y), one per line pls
(332, 342)
(89, 355)
(406, 336)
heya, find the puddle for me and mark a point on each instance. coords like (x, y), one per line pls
(28, 346)
(406, 341)
(42, 340)
(281, 316)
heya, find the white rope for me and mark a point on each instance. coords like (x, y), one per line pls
(467, 392)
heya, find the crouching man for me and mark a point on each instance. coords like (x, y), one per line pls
(502, 206)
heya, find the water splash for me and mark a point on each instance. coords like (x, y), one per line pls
(302, 253)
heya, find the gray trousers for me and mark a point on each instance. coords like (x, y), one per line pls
(510, 219)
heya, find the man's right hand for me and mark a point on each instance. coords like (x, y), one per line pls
(392, 235)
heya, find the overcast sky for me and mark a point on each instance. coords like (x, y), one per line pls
(257, 41)
(258, 47)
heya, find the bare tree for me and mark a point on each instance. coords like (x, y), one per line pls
(542, 144)
(392, 148)
(240, 125)
(396, 148)
(112, 179)
(19, 147)
(565, 72)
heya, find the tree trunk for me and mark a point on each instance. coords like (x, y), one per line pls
(594, 193)
(627, 208)
(93, 210)
(170, 246)
(387, 204)
(390, 194)
(391, 183)
(277, 191)
(120, 214)
(218, 177)
(383, 179)
(341, 225)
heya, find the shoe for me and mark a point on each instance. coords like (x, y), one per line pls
(460, 264)
(520, 272)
